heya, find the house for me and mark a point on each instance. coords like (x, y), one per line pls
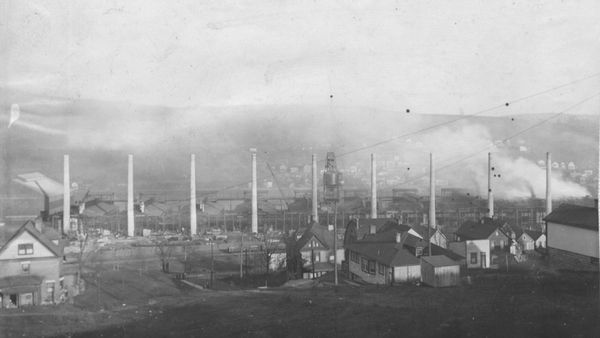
(440, 271)
(572, 237)
(531, 240)
(391, 256)
(357, 228)
(30, 265)
(435, 235)
(383, 263)
(483, 240)
(315, 246)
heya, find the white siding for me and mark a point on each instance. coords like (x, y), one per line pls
(12, 249)
(477, 247)
(573, 239)
(407, 273)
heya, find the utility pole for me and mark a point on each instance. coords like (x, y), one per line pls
(241, 255)
(335, 267)
(212, 264)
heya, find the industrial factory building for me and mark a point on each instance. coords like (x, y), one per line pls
(572, 237)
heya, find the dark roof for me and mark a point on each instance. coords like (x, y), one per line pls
(7, 234)
(440, 260)
(364, 225)
(575, 215)
(478, 230)
(321, 233)
(533, 234)
(390, 254)
(20, 280)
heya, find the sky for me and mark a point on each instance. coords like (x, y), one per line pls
(440, 57)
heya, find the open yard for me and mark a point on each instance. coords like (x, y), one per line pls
(494, 305)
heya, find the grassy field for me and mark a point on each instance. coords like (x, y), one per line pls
(138, 301)
(494, 305)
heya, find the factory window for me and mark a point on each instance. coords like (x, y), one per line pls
(473, 257)
(26, 249)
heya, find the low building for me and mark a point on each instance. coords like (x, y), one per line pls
(531, 240)
(483, 240)
(384, 263)
(30, 265)
(391, 256)
(440, 271)
(572, 237)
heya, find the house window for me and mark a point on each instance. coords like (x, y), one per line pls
(354, 256)
(418, 251)
(473, 257)
(25, 249)
(363, 264)
(372, 267)
(25, 266)
(381, 268)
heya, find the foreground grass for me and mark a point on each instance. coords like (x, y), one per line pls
(494, 305)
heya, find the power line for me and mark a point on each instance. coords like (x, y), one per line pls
(506, 139)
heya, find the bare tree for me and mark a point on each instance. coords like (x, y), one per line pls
(82, 256)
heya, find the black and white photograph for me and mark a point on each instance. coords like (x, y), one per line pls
(277, 168)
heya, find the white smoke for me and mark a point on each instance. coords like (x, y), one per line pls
(461, 159)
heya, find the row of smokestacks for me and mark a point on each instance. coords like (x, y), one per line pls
(315, 214)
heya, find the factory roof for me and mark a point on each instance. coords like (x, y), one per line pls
(575, 215)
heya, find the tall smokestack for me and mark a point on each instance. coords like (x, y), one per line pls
(193, 223)
(373, 187)
(66, 194)
(490, 194)
(548, 183)
(315, 211)
(130, 215)
(254, 193)
(432, 223)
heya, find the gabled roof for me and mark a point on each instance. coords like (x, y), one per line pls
(29, 227)
(321, 233)
(364, 225)
(478, 230)
(533, 234)
(575, 215)
(422, 230)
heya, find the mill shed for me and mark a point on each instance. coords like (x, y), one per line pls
(440, 271)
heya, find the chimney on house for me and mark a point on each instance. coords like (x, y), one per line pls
(490, 193)
(372, 229)
(66, 195)
(130, 211)
(548, 183)
(254, 193)
(193, 221)
(315, 196)
(373, 187)
(39, 224)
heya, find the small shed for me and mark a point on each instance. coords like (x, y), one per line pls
(440, 271)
